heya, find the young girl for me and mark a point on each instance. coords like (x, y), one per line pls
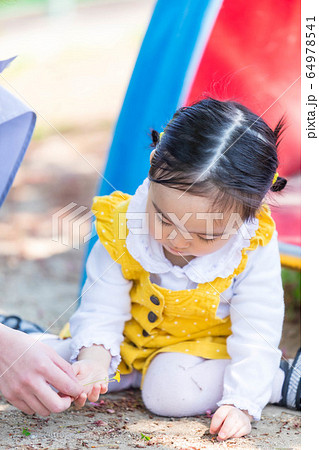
(184, 293)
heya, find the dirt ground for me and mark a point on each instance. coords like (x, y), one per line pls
(82, 66)
(120, 421)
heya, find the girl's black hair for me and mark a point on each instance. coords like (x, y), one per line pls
(219, 150)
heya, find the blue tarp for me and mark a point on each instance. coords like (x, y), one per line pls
(153, 93)
(17, 123)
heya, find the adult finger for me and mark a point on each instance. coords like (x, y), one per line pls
(76, 368)
(35, 404)
(60, 394)
(20, 404)
(63, 365)
(51, 399)
(62, 381)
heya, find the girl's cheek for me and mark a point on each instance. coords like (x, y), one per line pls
(155, 228)
(204, 249)
(219, 244)
(166, 235)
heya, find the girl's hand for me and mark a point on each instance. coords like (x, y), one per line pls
(93, 376)
(230, 422)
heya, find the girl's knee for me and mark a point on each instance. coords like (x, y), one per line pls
(164, 389)
(176, 386)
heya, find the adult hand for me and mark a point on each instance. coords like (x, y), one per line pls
(230, 422)
(27, 368)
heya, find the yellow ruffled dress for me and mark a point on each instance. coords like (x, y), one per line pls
(164, 320)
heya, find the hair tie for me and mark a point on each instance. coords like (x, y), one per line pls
(275, 178)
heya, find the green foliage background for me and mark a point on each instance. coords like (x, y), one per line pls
(292, 287)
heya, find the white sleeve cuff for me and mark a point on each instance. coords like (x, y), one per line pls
(76, 346)
(242, 403)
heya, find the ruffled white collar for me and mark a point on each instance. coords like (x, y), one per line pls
(149, 252)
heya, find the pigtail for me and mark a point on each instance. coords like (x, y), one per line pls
(278, 132)
(155, 138)
(279, 184)
(279, 129)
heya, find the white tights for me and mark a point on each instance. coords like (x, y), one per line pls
(175, 384)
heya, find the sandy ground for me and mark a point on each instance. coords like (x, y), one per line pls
(119, 421)
(82, 66)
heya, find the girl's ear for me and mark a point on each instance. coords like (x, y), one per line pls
(151, 156)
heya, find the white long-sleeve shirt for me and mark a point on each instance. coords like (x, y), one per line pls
(254, 301)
